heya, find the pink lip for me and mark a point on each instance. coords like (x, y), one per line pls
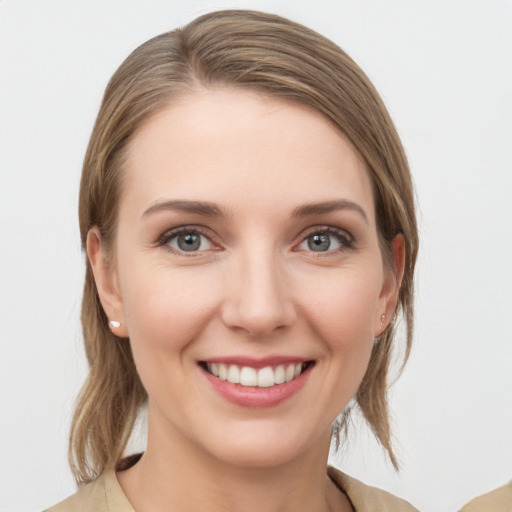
(252, 396)
(257, 362)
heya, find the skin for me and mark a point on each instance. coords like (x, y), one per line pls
(254, 288)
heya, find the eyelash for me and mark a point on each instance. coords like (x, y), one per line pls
(164, 239)
(345, 240)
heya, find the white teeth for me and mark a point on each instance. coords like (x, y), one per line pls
(233, 374)
(223, 372)
(279, 375)
(266, 377)
(263, 378)
(248, 376)
(290, 372)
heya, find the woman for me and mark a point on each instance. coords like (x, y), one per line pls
(248, 216)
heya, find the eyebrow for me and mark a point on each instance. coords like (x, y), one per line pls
(212, 210)
(327, 207)
(198, 207)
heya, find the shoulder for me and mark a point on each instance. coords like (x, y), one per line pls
(102, 495)
(86, 498)
(365, 498)
(499, 500)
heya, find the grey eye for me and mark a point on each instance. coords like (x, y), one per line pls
(319, 242)
(190, 241)
(326, 240)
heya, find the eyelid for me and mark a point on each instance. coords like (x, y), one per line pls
(344, 237)
(164, 238)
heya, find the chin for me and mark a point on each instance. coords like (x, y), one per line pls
(256, 449)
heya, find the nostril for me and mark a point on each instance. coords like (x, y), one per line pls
(257, 299)
(258, 319)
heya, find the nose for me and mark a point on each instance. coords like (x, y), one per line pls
(258, 299)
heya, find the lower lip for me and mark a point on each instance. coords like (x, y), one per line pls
(253, 396)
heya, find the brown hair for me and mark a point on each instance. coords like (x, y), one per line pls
(277, 57)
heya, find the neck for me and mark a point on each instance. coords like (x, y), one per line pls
(176, 476)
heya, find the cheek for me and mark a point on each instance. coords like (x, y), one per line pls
(342, 314)
(344, 307)
(344, 320)
(165, 310)
(165, 313)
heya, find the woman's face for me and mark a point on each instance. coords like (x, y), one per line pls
(247, 251)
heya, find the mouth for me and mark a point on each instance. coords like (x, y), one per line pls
(248, 376)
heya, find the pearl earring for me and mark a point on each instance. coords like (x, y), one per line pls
(114, 324)
(382, 318)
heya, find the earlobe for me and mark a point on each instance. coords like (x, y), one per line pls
(391, 287)
(105, 278)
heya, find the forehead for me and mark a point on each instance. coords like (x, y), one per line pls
(236, 145)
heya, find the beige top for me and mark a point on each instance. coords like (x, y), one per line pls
(499, 500)
(106, 495)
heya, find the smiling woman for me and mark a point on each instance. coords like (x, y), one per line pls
(247, 212)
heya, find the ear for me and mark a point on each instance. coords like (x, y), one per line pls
(390, 291)
(107, 283)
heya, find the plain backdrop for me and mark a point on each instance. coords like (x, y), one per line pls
(444, 69)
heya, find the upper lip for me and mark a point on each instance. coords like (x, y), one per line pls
(256, 362)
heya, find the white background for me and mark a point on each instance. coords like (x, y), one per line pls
(444, 68)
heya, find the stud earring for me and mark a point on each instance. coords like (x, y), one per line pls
(114, 324)
(382, 318)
